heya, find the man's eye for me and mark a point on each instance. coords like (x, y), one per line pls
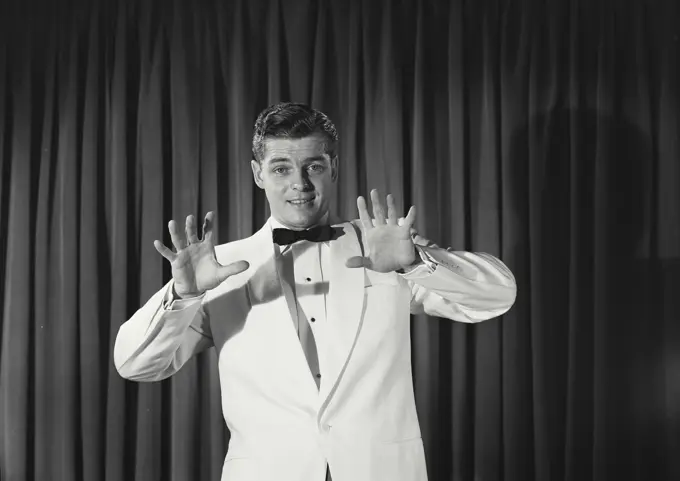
(316, 167)
(280, 170)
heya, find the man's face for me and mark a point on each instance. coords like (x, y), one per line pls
(298, 179)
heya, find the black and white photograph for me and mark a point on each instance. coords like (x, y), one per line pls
(340, 240)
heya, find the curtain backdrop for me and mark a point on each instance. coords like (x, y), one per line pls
(543, 132)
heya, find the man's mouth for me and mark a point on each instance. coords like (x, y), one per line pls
(301, 201)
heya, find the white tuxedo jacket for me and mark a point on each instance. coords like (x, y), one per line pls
(362, 421)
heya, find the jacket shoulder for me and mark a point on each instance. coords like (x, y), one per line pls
(236, 248)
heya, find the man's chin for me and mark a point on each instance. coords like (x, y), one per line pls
(302, 220)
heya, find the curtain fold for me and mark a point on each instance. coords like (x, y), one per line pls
(544, 132)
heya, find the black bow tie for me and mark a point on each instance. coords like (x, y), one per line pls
(284, 237)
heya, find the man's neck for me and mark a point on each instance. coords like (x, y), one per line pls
(276, 223)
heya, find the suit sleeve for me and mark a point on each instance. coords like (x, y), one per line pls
(161, 336)
(461, 286)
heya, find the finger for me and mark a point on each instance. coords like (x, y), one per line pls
(178, 240)
(208, 225)
(391, 210)
(224, 272)
(410, 217)
(357, 261)
(164, 251)
(378, 210)
(364, 216)
(190, 228)
(420, 240)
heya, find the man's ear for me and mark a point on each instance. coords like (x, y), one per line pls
(334, 168)
(257, 173)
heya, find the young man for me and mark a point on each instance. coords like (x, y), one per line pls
(310, 317)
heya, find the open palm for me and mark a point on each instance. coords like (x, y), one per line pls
(195, 268)
(388, 245)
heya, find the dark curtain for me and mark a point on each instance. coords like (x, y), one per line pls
(543, 132)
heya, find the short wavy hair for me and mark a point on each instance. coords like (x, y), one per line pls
(292, 120)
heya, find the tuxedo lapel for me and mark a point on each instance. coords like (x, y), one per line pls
(346, 304)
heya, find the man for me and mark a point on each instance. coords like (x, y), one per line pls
(309, 317)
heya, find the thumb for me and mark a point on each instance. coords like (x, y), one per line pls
(420, 240)
(224, 272)
(357, 261)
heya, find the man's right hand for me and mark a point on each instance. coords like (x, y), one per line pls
(194, 266)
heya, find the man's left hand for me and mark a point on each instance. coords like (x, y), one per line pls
(388, 246)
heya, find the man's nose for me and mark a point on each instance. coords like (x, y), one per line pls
(300, 180)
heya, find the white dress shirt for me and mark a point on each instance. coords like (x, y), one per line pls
(305, 266)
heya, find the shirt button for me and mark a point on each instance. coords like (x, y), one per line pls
(309, 279)
(312, 319)
(318, 376)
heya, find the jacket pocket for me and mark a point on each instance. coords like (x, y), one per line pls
(241, 469)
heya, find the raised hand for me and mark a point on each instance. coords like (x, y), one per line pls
(194, 266)
(388, 246)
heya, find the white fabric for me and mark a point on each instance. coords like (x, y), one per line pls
(362, 420)
(306, 262)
